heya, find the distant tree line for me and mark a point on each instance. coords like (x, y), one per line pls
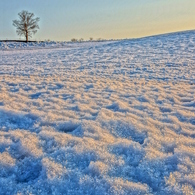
(81, 39)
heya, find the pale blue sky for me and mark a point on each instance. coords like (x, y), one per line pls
(66, 19)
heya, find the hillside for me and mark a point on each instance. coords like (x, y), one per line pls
(113, 117)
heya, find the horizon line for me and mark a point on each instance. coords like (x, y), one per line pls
(102, 39)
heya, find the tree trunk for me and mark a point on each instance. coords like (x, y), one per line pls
(26, 36)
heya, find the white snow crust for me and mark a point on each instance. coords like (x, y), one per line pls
(98, 118)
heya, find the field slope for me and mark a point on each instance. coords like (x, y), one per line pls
(98, 118)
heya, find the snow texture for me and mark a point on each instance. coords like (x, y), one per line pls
(113, 118)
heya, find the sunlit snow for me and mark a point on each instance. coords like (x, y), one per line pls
(112, 118)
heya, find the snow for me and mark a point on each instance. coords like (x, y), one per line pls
(112, 117)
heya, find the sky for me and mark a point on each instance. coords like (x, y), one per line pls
(62, 20)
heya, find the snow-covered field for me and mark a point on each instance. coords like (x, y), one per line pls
(98, 118)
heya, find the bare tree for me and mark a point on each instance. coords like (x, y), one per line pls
(27, 25)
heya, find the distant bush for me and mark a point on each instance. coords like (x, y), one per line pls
(47, 40)
(99, 39)
(74, 40)
(91, 38)
(81, 40)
